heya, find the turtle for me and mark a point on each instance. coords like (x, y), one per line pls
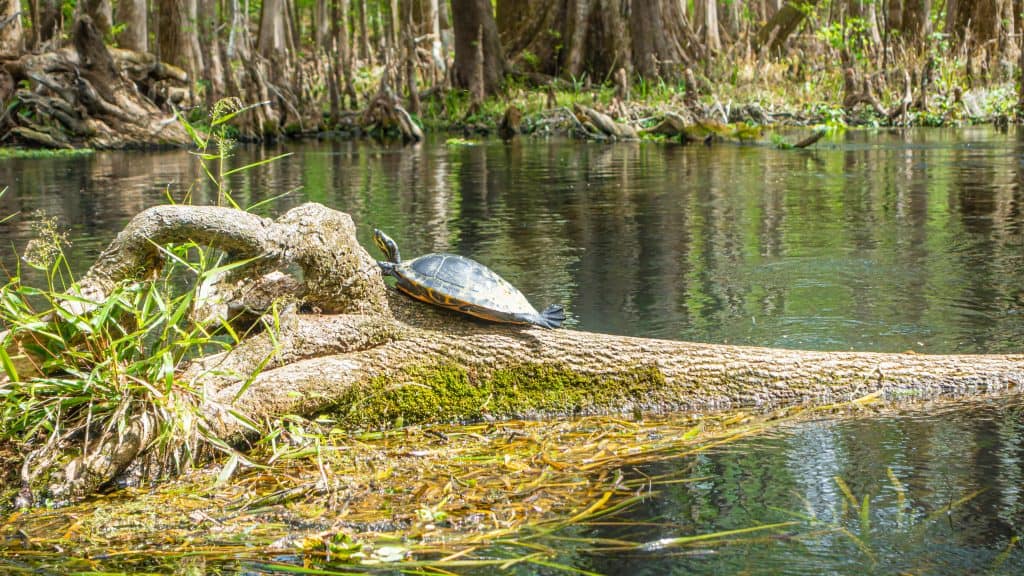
(459, 283)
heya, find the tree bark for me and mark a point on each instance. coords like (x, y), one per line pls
(47, 21)
(209, 39)
(474, 24)
(649, 44)
(364, 35)
(173, 37)
(916, 21)
(99, 11)
(372, 355)
(135, 35)
(712, 40)
(983, 18)
(776, 31)
(576, 36)
(439, 64)
(597, 37)
(274, 37)
(11, 32)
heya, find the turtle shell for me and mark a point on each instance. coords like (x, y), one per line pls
(455, 282)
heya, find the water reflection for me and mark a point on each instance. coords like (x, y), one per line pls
(934, 491)
(877, 241)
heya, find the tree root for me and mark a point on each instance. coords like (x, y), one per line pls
(91, 96)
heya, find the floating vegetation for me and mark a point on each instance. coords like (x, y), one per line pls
(6, 153)
(456, 141)
(418, 500)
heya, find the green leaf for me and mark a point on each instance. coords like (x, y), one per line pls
(8, 364)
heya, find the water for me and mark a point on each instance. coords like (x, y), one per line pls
(887, 241)
(958, 471)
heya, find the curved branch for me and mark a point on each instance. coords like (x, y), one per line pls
(338, 275)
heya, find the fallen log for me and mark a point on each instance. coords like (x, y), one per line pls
(378, 357)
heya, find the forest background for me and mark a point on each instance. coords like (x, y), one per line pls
(346, 64)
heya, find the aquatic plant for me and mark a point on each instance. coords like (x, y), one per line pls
(412, 500)
(78, 373)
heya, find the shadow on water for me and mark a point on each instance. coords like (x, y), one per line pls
(889, 241)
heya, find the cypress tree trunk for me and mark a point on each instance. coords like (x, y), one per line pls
(209, 39)
(173, 38)
(11, 40)
(776, 31)
(274, 36)
(477, 47)
(99, 11)
(916, 24)
(135, 35)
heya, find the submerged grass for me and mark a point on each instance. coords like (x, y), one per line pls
(418, 500)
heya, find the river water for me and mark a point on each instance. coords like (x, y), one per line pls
(882, 241)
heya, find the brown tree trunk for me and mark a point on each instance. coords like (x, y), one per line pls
(365, 52)
(173, 37)
(539, 30)
(275, 35)
(598, 37)
(395, 357)
(199, 64)
(474, 22)
(916, 21)
(649, 43)
(577, 25)
(47, 21)
(11, 41)
(209, 39)
(709, 22)
(322, 24)
(133, 16)
(776, 31)
(894, 14)
(99, 11)
(981, 17)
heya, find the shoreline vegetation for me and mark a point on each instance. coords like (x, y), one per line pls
(89, 77)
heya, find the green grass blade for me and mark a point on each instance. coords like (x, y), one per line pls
(255, 164)
(228, 117)
(9, 369)
(196, 139)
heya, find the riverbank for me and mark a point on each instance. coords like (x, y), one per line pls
(735, 100)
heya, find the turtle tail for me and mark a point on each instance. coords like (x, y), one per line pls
(552, 316)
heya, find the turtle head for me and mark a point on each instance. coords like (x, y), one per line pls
(387, 246)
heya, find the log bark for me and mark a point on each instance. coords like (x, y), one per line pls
(380, 356)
